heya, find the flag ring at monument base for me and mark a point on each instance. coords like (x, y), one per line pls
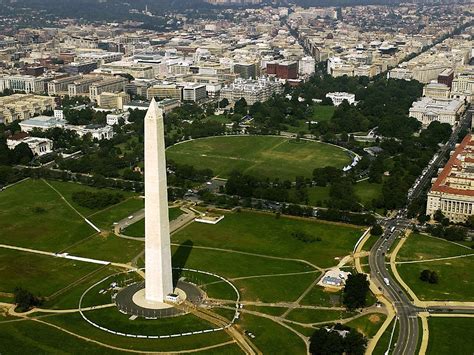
(110, 281)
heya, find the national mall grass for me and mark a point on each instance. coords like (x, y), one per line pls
(265, 234)
(264, 156)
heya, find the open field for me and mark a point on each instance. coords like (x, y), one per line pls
(322, 297)
(33, 215)
(264, 234)
(456, 281)
(310, 316)
(137, 229)
(450, 336)
(323, 113)
(257, 254)
(74, 323)
(421, 247)
(366, 191)
(43, 275)
(271, 337)
(264, 156)
(368, 324)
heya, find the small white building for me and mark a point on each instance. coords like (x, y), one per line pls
(59, 114)
(39, 146)
(335, 278)
(338, 97)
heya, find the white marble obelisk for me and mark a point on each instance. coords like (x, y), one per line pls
(158, 272)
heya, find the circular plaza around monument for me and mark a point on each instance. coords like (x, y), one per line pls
(127, 296)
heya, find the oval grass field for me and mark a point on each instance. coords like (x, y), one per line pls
(263, 156)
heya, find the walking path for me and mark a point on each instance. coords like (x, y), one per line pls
(72, 207)
(436, 259)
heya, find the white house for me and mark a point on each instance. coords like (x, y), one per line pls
(338, 97)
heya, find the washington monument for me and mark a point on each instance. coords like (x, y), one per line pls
(158, 272)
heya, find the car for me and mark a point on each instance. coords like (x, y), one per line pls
(130, 217)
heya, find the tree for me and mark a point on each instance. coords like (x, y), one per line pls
(25, 299)
(438, 216)
(22, 154)
(340, 339)
(376, 230)
(355, 291)
(425, 275)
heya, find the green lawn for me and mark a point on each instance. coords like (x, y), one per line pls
(456, 280)
(68, 188)
(275, 289)
(105, 219)
(264, 234)
(319, 297)
(108, 248)
(310, 316)
(274, 311)
(29, 337)
(33, 215)
(217, 118)
(112, 318)
(137, 229)
(367, 191)
(323, 113)
(270, 337)
(40, 274)
(368, 324)
(263, 156)
(450, 336)
(420, 247)
(318, 195)
(74, 322)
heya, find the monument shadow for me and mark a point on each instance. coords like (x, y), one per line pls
(179, 259)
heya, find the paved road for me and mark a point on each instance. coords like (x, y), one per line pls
(407, 313)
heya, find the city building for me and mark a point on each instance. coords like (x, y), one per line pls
(306, 66)
(76, 68)
(194, 92)
(246, 70)
(338, 97)
(283, 70)
(117, 118)
(446, 77)
(452, 191)
(100, 58)
(111, 84)
(137, 71)
(436, 90)
(25, 83)
(59, 87)
(251, 90)
(80, 87)
(165, 91)
(463, 87)
(110, 100)
(38, 146)
(427, 110)
(23, 106)
(44, 123)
